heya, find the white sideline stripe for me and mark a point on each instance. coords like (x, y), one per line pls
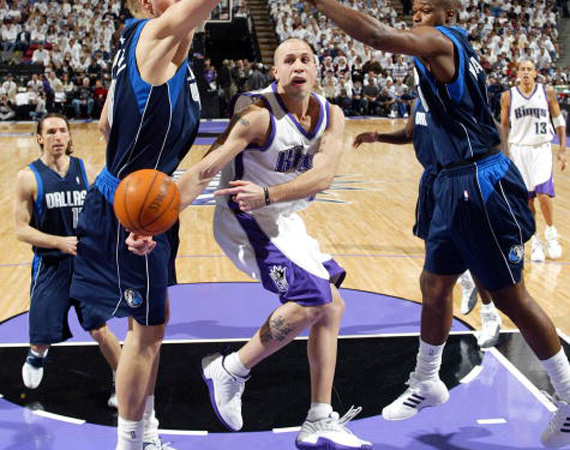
(39, 412)
(1, 396)
(286, 430)
(183, 432)
(491, 421)
(524, 380)
(471, 375)
(200, 341)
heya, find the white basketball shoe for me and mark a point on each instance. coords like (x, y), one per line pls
(419, 395)
(552, 244)
(536, 250)
(331, 433)
(33, 370)
(225, 390)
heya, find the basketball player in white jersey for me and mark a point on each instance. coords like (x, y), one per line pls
(276, 155)
(527, 111)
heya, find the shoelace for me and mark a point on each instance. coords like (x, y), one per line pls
(335, 420)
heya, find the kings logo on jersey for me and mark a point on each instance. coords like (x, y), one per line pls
(279, 276)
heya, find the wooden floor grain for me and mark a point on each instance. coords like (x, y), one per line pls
(365, 223)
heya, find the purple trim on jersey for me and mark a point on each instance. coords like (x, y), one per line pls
(292, 117)
(271, 137)
(545, 188)
(238, 166)
(295, 283)
(328, 110)
(530, 96)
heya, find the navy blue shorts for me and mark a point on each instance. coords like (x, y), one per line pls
(108, 278)
(425, 204)
(480, 222)
(50, 302)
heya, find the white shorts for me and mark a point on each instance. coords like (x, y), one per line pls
(276, 249)
(535, 165)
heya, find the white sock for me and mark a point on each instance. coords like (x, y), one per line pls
(428, 361)
(558, 370)
(319, 411)
(150, 421)
(38, 354)
(488, 309)
(130, 434)
(233, 365)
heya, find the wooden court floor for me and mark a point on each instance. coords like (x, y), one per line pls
(365, 222)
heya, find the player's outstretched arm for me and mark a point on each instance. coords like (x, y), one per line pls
(178, 22)
(250, 126)
(26, 190)
(559, 125)
(399, 137)
(424, 42)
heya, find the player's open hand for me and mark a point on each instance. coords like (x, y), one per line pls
(247, 195)
(365, 138)
(140, 245)
(68, 244)
(561, 156)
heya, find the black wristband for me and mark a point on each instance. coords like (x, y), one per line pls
(266, 192)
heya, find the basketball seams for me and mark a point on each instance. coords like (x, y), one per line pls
(144, 206)
(126, 207)
(167, 182)
(147, 195)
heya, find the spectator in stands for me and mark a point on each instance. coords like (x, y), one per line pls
(7, 111)
(100, 93)
(40, 56)
(9, 34)
(210, 75)
(343, 97)
(402, 97)
(39, 106)
(10, 87)
(83, 99)
(400, 68)
(371, 93)
(94, 71)
(35, 84)
(256, 79)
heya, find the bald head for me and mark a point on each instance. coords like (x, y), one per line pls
(291, 44)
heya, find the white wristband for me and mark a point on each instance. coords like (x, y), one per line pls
(558, 121)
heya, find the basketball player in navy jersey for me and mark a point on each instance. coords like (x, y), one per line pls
(150, 120)
(481, 218)
(49, 197)
(526, 114)
(276, 155)
(416, 131)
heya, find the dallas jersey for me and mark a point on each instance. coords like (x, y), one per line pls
(462, 126)
(58, 202)
(288, 152)
(151, 126)
(530, 117)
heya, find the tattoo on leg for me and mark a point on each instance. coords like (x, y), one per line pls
(274, 329)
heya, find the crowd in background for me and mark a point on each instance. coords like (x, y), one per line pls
(67, 46)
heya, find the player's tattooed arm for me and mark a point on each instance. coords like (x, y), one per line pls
(237, 119)
(247, 127)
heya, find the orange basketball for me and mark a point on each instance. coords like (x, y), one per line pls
(147, 202)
